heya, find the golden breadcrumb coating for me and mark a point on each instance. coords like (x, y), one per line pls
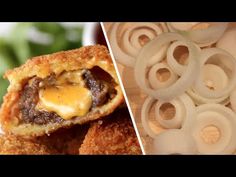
(65, 140)
(16, 145)
(43, 66)
(114, 135)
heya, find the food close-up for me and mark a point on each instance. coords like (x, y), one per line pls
(62, 97)
(180, 80)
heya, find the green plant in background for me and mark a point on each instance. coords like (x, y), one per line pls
(19, 46)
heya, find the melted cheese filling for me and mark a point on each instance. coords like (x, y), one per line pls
(67, 100)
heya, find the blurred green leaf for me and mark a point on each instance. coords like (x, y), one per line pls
(7, 58)
(3, 88)
(75, 34)
(17, 48)
(65, 39)
(49, 27)
(18, 39)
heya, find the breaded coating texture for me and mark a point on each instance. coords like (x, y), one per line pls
(66, 140)
(114, 135)
(41, 67)
(15, 145)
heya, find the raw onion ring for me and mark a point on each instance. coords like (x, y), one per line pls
(174, 141)
(127, 48)
(229, 68)
(174, 65)
(203, 37)
(198, 99)
(177, 119)
(228, 42)
(182, 84)
(233, 100)
(181, 26)
(189, 115)
(144, 116)
(223, 118)
(157, 84)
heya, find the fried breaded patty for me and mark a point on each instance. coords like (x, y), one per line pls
(66, 140)
(15, 145)
(30, 117)
(114, 135)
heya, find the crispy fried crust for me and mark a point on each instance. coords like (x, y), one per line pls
(43, 66)
(65, 140)
(15, 145)
(115, 135)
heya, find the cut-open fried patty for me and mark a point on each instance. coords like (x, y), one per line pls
(59, 90)
(101, 91)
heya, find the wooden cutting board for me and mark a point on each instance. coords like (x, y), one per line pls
(136, 99)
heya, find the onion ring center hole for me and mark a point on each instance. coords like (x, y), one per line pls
(167, 111)
(210, 134)
(209, 84)
(224, 64)
(213, 80)
(181, 54)
(143, 39)
(163, 74)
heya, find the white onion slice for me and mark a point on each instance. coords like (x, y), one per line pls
(188, 115)
(182, 26)
(214, 76)
(178, 116)
(155, 82)
(221, 117)
(218, 78)
(233, 99)
(132, 43)
(203, 37)
(174, 141)
(190, 111)
(198, 99)
(125, 41)
(228, 42)
(182, 84)
(174, 65)
(227, 62)
(144, 116)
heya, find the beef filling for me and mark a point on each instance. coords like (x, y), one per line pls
(28, 101)
(101, 91)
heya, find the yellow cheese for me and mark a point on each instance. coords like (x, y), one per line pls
(67, 101)
(72, 77)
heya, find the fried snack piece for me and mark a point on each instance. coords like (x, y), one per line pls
(16, 145)
(65, 140)
(59, 90)
(114, 135)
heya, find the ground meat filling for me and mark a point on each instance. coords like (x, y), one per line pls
(28, 101)
(101, 91)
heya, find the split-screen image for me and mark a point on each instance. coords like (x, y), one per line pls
(117, 88)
